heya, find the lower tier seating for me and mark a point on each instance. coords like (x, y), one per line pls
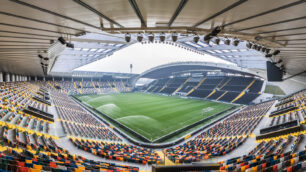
(269, 155)
(222, 138)
(118, 151)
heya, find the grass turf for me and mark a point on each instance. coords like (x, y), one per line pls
(153, 116)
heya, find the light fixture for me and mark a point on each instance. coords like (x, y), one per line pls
(69, 45)
(139, 37)
(174, 37)
(254, 47)
(216, 31)
(236, 42)
(151, 37)
(196, 38)
(46, 58)
(217, 41)
(207, 38)
(40, 56)
(263, 49)
(127, 37)
(259, 48)
(276, 52)
(227, 42)
(162, 37)
(268, 55)
(279, 61)
(249, 45)
(268, 50)
(62, 40)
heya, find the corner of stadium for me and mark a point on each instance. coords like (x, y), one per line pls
(152, 85)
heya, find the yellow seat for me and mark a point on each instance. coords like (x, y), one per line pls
(39, 167)
(34, 170)
(28, 161)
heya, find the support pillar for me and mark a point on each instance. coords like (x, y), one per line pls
(7, 77)
(1, 77)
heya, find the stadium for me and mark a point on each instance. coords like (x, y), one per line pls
(152, 85)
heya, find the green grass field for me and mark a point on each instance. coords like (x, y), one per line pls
(153, 116)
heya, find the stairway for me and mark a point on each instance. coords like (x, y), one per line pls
(99, 90)
(164, 158)
(225, 83)
(165, 86)
(221, 95)
(196, 87)
(51, 85)
(113, 87)
(211, 93)
(181, 86)
(243, 91)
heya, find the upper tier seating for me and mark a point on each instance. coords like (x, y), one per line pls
(172, 85)
(118, 151)
(242, 90)
(88, 87)
(27, 143)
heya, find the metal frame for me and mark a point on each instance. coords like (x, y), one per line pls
(97, 12)
(177, 12)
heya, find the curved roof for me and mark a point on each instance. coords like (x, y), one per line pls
(170, 69)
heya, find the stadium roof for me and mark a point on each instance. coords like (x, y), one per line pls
(27, 27)
(171, 69)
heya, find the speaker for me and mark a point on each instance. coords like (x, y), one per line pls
(273, 72)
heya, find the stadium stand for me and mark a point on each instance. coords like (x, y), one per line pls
(89, 87)
(26, 142)
(222, 138)
(240, 90)
(78, 122)
(152, 85)
(119, 152)
(269, 155)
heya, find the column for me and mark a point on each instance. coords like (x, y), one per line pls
(13, 78)
(1, 77)
(7, 77)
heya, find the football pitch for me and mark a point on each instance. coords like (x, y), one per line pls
(153, 116)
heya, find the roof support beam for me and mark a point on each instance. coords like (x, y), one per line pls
(177, 11)
(25, 42)
(39, 21)
(53, 13)
(221, 12)
(32, 28)
(138, 13)
(292, 40)
(5, 31)
(281, 30)
(293, 34)
(97, 12)
(266, 12)
(19, 37)
(270, 24)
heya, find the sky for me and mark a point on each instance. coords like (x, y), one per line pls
(146, 56)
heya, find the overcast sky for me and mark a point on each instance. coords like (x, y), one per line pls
(146, 56)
